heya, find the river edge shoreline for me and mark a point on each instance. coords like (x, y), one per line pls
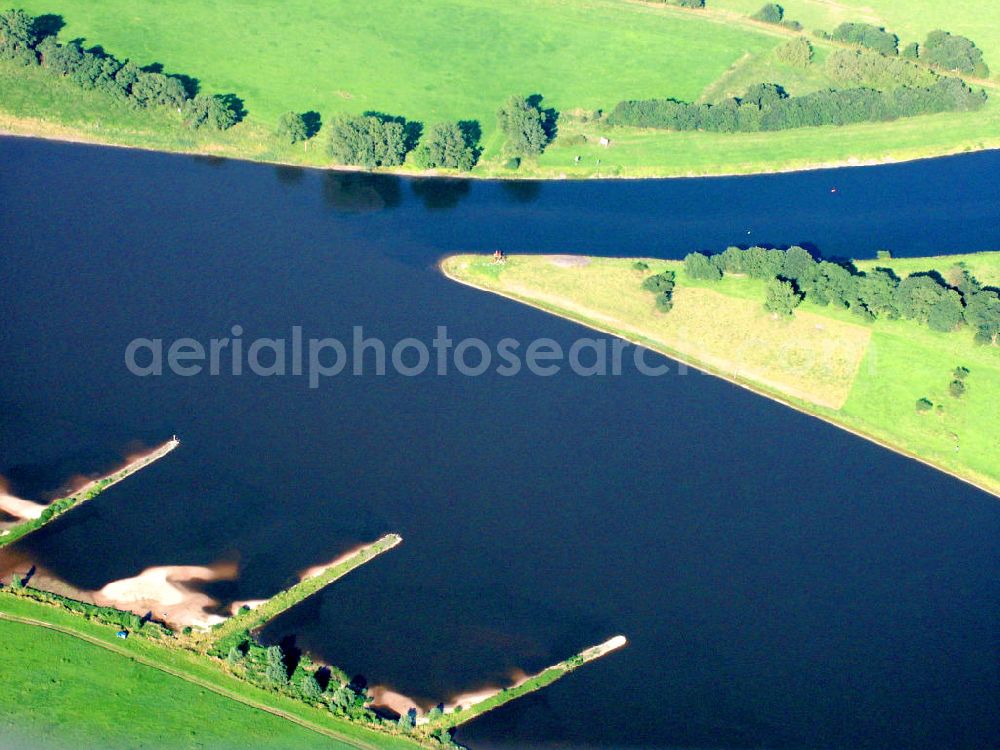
(708, 370)
(10, 128)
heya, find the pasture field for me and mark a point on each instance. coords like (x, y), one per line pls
(456, 60)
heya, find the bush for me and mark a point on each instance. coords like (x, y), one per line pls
(770, 13)
(956, 388)
(687, 3)
(953, 52)
(798, 52)
(911, 51)
(662, 285)
(793, 25)
(512, 163)
(640, 266)
(867, 35)
(924, 405)
(961, 373)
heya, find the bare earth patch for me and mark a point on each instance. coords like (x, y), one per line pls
(569, 261)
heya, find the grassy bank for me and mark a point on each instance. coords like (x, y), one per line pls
(87, 492)
(583, 56)
(251, 619)
(70, 682)
(865, 377)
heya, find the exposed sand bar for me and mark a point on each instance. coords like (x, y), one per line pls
(311, 580)
(90, 489)
(465, 707)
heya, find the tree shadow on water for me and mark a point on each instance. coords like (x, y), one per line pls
(439, 193)
(361, 192)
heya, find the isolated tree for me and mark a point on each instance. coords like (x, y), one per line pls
(781, 297)
(956, 388)
(292, 128)
(770, 13)
(953, 52)
(523, 123)
(445, 146)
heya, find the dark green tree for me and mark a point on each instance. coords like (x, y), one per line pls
(18, 37)
(867, 35)
(292, 128)
(699, 266)
(953, 52)
(445, 146)
(781, 297)
(982, 314)
(367, 141)
(524, 124)
(770, 13)
(947, 313)
(216, 112)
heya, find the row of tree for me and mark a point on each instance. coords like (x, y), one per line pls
(23, 39)
(794, 274)
(940, 49)
(295, 675)
(377, 140)
(767, 107)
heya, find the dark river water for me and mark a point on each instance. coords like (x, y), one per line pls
(782, 583)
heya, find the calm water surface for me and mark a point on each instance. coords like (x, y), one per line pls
(782, 583)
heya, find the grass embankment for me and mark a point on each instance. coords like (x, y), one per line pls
(865, 377)
(528, 685)
(582, 56)
(87, 492)
(82, 686)
(251, 619)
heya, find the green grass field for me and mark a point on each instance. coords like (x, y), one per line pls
(866, 377)
(458, 60)
(61, 691)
